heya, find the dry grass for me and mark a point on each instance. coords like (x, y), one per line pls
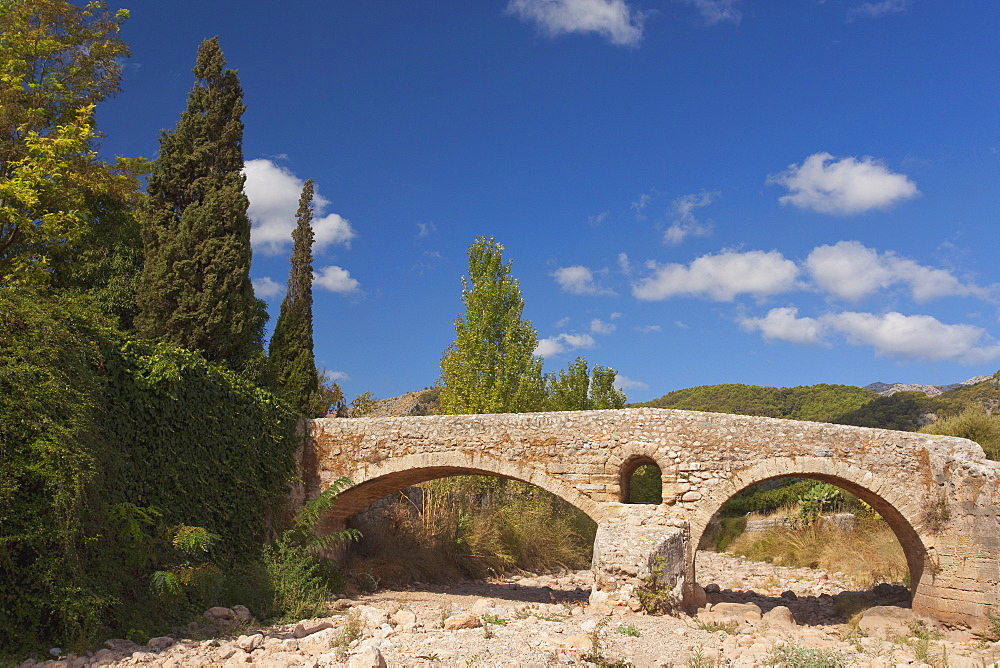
(473, 527)
(868, 555)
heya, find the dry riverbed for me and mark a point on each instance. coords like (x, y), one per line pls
(758, 615)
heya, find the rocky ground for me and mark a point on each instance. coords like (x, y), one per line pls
(757, 614)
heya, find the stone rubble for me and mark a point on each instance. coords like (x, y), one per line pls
(751, 611)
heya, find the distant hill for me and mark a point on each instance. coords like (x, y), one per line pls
(889, 389)
(818, 403)
(878, 405)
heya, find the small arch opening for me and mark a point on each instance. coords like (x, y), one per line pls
(641, 481)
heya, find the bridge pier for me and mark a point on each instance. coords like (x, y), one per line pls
(638, 551)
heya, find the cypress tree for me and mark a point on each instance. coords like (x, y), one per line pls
(195, 288)
(293, 365)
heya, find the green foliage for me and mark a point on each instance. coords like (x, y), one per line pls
(795, 656)
(491, 367)
(195, 288)
(577, 388)
(902, 411)
(628, 630)
(655, 595)
(766, 497)
(300, 578)
(820, 403)
(363, 404)
(974, 424)
(80, 523)
(646, 485)
(57, 62)
(290, 355)
(814, 501)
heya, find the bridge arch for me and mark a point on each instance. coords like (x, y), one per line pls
(899, 510)
(377, 481)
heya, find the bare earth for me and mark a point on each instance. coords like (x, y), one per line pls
(545, 621)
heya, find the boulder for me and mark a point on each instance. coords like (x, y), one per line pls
(886, 621)
(367, 657)
(161, 642)
(463, 620)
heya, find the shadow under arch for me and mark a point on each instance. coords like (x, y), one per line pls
(628, 470)
(898, 511)
(380, 480)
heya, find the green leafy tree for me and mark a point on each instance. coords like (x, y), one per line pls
(293, 365)
(491, 367)
(195, 288)
(57, 61)
(578, 388)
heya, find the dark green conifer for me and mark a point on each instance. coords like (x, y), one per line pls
(293, 365)
(195, 289)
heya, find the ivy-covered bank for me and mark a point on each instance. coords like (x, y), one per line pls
(110, 449)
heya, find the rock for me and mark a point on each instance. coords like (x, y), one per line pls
(161, 642)
(368, 657)
(406, 620)
(251, 642)
(226, 651)
(779, 618)
(699, 596)
(218, 612)
(790, 595)
(371, 616)
(319, 642)
(580, 641)
(342, 604)
(885, 621)
(463, 620)
(730, 613)
(302, 630)
(242, 612)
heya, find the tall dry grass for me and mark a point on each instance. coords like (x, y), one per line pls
(471, 527)
(869, 554)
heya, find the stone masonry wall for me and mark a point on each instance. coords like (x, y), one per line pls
(939, 494)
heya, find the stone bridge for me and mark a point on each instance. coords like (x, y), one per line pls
(939, 494)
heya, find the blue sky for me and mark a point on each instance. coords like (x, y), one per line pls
(691, 191)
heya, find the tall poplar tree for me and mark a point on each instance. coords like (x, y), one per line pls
(293, 365)
(491, 367)
(195, 288)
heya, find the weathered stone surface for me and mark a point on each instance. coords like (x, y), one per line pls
(162, 642)
(463, 620)
(940, 495)
(887, 621)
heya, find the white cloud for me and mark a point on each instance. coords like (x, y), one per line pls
(274, 193)
(425, 229)
(597, 220)
(562, 322)
(845, 186)
(579, 280)
(598, 326)
(335, 376)
(784, 324)
(640, 205)
(876, 9)
(891, 334)
(267, 287)
(915, 336)
(850, 270)
(626, 383)
(624, 266)
(717, 11)
(684, 223)
(561, 343)
(336, 279)
(720, 277)
(614, 19)
(615, 315)
(647, 329)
